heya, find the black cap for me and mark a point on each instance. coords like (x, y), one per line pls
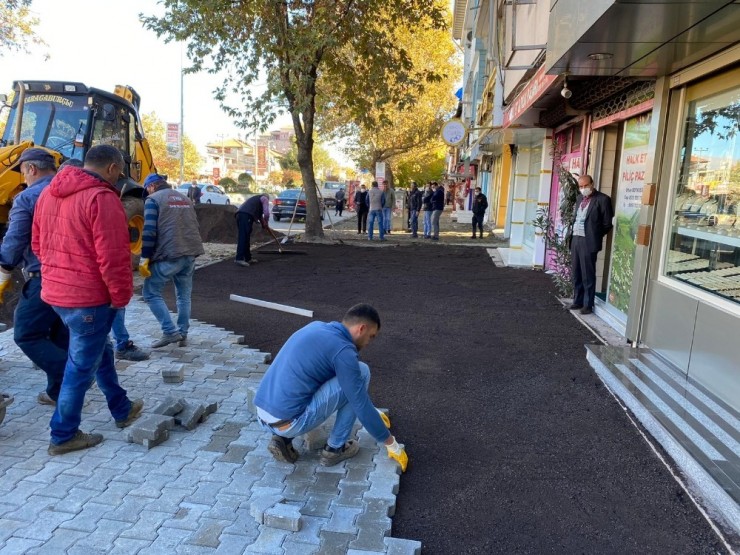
(34, 155)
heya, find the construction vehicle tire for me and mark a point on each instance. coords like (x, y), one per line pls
(134, 208)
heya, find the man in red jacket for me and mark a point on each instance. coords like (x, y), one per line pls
(80, 235)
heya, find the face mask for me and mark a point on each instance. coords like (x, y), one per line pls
(586, 191)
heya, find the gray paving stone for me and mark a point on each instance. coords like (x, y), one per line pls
(334, 543)
(129, 546)
(87, 519)
(150, 430)
(284, 516)
(44, 526)
(231, 544)
(191, 414)
(244, 525)
(398, 546)
(317, 504)
(105, 533)
(251, 394)
(269, 541)
(207, 535)
(58, 543)
(297, 548)
(351, 494)
(342, 520)
(258, 504)
(19, 546)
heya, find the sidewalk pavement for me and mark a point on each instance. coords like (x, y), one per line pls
(210, 489)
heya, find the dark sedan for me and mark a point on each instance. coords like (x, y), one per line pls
(284, 206)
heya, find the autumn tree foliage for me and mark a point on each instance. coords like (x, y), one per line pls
(290, 46)
(154, 131)
(17, 26)
(403, 135)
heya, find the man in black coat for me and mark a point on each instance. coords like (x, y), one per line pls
(480, 205)
(254, 209)
(593, 221)
(362, 206)
(414, 203)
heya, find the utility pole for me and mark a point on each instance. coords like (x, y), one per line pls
(182, 121)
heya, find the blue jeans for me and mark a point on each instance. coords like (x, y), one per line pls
(375, 215)
(328, 399)
(414, 223)
(90, 357)
(179, 270)
(427, 223)
(41, 334)
(120, 333)
(435, 223)
(387, 215)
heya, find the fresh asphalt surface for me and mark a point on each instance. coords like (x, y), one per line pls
(515, 445)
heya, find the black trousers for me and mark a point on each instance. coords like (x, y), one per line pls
(583, 272)
(478, 221)
(362, 220)
(244, 223)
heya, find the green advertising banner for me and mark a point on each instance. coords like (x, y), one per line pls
(627, 209)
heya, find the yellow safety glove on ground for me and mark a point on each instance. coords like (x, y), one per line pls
(6, 284)
(398, 453)
(144, 268)
(386, 420)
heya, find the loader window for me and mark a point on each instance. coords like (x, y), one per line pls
(111, 128)
(50, 120)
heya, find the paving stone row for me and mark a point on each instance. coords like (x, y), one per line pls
(176, 481)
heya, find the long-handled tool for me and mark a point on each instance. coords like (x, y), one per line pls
(280, 249)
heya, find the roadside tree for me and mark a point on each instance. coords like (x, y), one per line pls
(154, 130)
(17, 27)
(349, 46)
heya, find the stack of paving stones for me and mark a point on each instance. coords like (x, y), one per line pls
(197, 486)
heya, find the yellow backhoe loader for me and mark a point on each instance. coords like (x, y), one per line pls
(67, 119)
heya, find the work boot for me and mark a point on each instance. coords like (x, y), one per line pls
(166, 339)
(133, 413)
(80, 441)
(331, 456)
(131, 352)
(253, 261)
(44, 399)
(282, 450)
(183, 342)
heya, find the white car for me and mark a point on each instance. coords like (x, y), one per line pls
(210, 194)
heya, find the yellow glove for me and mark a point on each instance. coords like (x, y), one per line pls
(386, 420)
(6, 284)
(398, 454)
(144, 268)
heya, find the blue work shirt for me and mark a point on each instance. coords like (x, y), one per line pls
(16, 245)
(311, 357)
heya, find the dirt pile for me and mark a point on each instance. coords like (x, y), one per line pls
(218, 225)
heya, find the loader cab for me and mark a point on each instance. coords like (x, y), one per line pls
(70, 118)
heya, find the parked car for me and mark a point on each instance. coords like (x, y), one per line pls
(285, 204)
(210, 194)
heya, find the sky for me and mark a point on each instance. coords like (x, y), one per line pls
(102, 44)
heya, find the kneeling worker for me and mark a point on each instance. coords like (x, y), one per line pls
(316, 373)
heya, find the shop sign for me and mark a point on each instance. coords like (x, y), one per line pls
(632, 166)
(534, 89)
(173, 140)
(624, 114)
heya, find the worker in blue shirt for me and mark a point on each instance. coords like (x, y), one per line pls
(37, 330)
(317, 373)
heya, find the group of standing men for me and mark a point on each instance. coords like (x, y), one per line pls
(69, 232)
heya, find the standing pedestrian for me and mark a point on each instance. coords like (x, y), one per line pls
(194, 192)
(171, 241)
(480, 204)
(376, 201)
(362, 206)
(593, 221)
(438, 204)
(339, 198)
(318, 373)
(426, 203)
(37, 329)
(414, 208)
(86, 281)
(390, 204)
(254, 209)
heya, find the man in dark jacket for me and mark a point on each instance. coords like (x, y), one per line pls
(426, 204)
(480, 204)
(170, 243)
(362, 207)
(593, 221)
(438, 204)
(414, 208)
(38, 330)
(254, 209)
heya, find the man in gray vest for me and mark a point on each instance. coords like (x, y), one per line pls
(376, 201)
(171, 241)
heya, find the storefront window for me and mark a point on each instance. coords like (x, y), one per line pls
(704, 248)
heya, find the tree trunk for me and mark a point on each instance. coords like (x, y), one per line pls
(314, 227)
